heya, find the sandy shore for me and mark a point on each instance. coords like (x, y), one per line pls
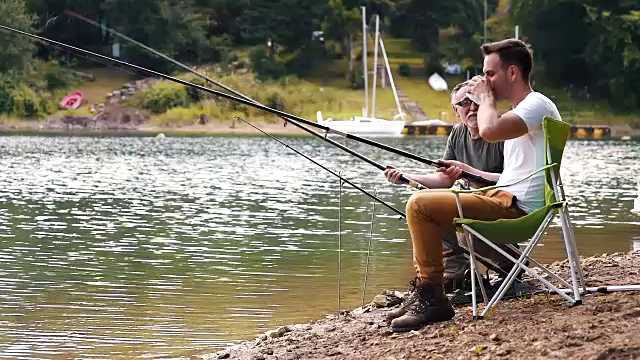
(213, 128)
(605, 326)
(84, 126)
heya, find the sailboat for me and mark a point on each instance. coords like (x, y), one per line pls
(369, 124)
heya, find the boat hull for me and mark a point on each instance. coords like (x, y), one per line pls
(380, 127)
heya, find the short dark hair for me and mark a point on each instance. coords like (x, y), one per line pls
(512, 52)
(455, 89)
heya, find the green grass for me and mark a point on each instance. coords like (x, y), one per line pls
(327, 91)
(106, 80)
(436, 103)
(333, 77)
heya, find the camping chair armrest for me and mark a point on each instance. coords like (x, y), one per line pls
(471, 191)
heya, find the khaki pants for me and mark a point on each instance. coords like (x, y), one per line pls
(429, 212)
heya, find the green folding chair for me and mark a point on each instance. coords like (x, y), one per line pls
(528, 229)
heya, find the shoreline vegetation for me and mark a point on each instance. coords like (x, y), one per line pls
(119, 104)
(530, 327)
(175, 110)
(310, 63)
(221, 128)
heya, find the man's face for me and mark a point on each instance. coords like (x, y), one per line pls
(496, 76)
(466, 109)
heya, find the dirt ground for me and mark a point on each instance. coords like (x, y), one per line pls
(540, 326)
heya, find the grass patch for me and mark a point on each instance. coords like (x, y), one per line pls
(437, 104)
(80, 112)
(9, 120)
(327, 91)
(299, 97)
(106, 80)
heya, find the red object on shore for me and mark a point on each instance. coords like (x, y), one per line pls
(72, 101)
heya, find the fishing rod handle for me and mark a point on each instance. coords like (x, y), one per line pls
(412, 183)
(467, 175)
(478, 178)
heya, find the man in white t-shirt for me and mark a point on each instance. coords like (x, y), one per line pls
(507, 70)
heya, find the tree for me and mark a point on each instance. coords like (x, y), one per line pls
(614, 53)
(281, 23)
(341, 24)
(594, 47)
(564, 22)
(17, 51)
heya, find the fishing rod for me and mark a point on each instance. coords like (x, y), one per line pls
(294, 119)
(324, 167)
(456, 248)
(285, 116)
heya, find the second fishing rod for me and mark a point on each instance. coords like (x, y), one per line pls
(456, 248)
(297, 120)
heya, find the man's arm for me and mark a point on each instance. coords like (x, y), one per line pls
(439, 180)
(432, 181)
(450, 154)
(455, 169)
(495, 128)
(487, 175)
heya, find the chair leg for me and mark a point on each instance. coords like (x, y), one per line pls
(572, 237)
(506, 284)
(535, 263)
(570, 254)
(475, 270)
(560, 280)
(472, 263)
(472, 277)
(536, 238)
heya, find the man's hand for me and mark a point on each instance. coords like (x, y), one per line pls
(480, 89)
(454, 171)
(393, 175)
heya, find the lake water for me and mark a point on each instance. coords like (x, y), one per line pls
(152, 247)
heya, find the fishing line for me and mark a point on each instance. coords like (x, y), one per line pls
(324, 167)
(456, 248)
(295, 119)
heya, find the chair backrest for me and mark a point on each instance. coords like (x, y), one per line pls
(556, 134)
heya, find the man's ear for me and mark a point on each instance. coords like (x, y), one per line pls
(512, 72)
(455, 110)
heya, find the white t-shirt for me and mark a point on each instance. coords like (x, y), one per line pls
(525, 154)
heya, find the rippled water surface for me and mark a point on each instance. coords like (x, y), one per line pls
(145, 247)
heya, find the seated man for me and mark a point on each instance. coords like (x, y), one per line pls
(507, 70)
(465, 145)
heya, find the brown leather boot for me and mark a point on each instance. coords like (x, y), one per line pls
(409, 298)
(431, 306)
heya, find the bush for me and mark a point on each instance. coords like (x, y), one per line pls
(404, 69)
(355, 78)
(6, 103)
(55, 76)
(231, 57)
(334, 49)
(178, 116)
(306, 59)
(162, 97)
(25, 103)
(432, 65)
(275, 98)
(264, 66)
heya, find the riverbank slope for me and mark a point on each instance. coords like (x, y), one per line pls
(532, 327)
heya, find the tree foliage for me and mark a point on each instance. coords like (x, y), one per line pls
(17, 52)
(591, 45)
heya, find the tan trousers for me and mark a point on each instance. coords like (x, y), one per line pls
(430, 211)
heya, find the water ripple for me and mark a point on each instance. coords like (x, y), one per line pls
(144, 247)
